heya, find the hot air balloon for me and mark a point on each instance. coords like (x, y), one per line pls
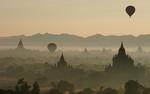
(130, 10)
(52, 47)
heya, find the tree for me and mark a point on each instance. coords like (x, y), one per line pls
(132, 87)
(36, 88)
(63, 86)
(22, 87)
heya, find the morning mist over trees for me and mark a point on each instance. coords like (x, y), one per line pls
(74, 47)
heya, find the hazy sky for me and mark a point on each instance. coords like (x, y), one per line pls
(80, 17)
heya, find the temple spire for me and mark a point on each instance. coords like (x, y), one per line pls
(62, 63)
(121, 45)
(20, 44)
(62, 57)
(122, 50)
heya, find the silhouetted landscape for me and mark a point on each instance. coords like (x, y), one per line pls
(74, 47)
(53, 71)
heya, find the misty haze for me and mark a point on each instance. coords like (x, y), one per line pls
(74, 47)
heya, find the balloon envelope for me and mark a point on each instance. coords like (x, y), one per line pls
(130, 10)
(52, 47)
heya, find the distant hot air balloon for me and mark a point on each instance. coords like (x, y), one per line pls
(130, 10)
(52, 47)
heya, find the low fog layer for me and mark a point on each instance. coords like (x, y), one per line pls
(67, 41)
(40, 65)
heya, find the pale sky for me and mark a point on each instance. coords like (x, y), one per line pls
(79, 17)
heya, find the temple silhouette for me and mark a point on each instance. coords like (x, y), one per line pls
(140, 50)
(20, 45)
(62, 64)
(123, 64)
(122, 61)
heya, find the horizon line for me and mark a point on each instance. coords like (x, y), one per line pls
(29, 35)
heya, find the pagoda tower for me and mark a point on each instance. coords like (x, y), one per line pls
(62, 62)
(20, 45)
(122, 61)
